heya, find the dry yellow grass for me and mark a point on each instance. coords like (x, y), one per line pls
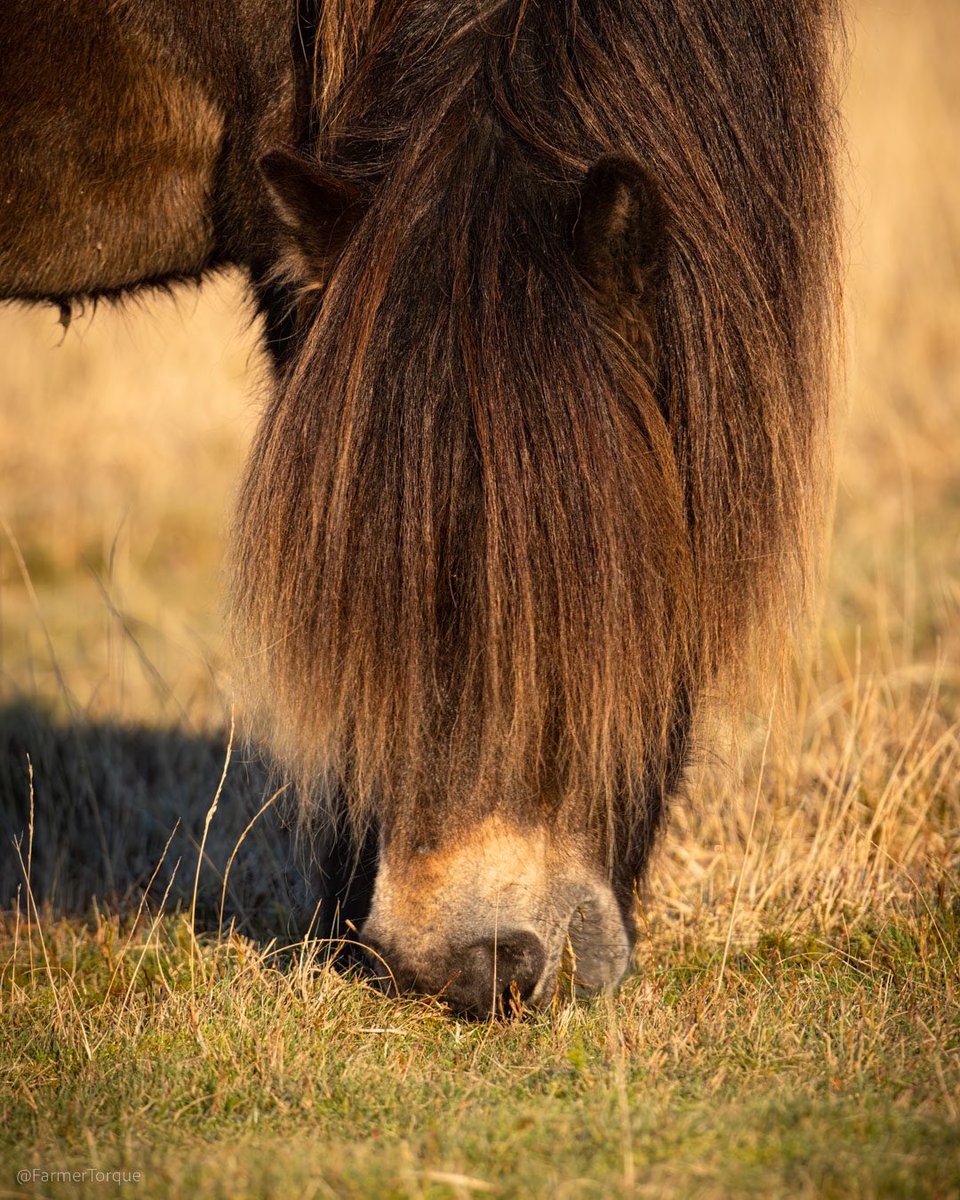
(119, 450)
(120, 446)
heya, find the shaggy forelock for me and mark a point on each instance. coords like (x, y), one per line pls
(489, 551)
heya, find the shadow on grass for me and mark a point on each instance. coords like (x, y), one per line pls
(108, 797)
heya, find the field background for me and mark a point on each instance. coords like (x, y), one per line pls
(793, 1024)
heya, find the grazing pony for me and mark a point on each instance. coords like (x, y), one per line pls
(550, 287)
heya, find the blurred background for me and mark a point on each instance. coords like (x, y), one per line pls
(122, 438)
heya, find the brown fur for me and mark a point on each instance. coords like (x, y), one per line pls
(491, 551)
(137, 188)
(132, 130)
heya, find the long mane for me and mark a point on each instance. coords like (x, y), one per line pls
(483, 547)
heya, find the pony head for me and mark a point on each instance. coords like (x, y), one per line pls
(546, 454)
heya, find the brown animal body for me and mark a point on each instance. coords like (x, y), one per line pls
(132, 132)
(550, 288)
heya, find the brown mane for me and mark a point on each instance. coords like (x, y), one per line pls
(485, 548)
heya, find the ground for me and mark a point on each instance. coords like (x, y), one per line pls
(793, 1024)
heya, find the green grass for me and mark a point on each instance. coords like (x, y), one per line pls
(827, 1067)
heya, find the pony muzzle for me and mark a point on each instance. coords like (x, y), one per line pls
(496, 924)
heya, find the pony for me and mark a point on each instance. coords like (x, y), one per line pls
(551, 294)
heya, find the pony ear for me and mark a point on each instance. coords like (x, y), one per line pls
(318, 211)
(620, 238)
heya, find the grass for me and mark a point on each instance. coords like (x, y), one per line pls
(793, 1025)
(810, 1066)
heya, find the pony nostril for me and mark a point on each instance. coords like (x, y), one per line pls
(496, 970)
(518, 960)
(482, 978)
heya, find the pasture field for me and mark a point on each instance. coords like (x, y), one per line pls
(793, 1026)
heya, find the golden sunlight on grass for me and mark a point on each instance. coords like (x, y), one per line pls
(120, 445)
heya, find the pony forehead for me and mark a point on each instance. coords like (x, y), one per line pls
(450, 76)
